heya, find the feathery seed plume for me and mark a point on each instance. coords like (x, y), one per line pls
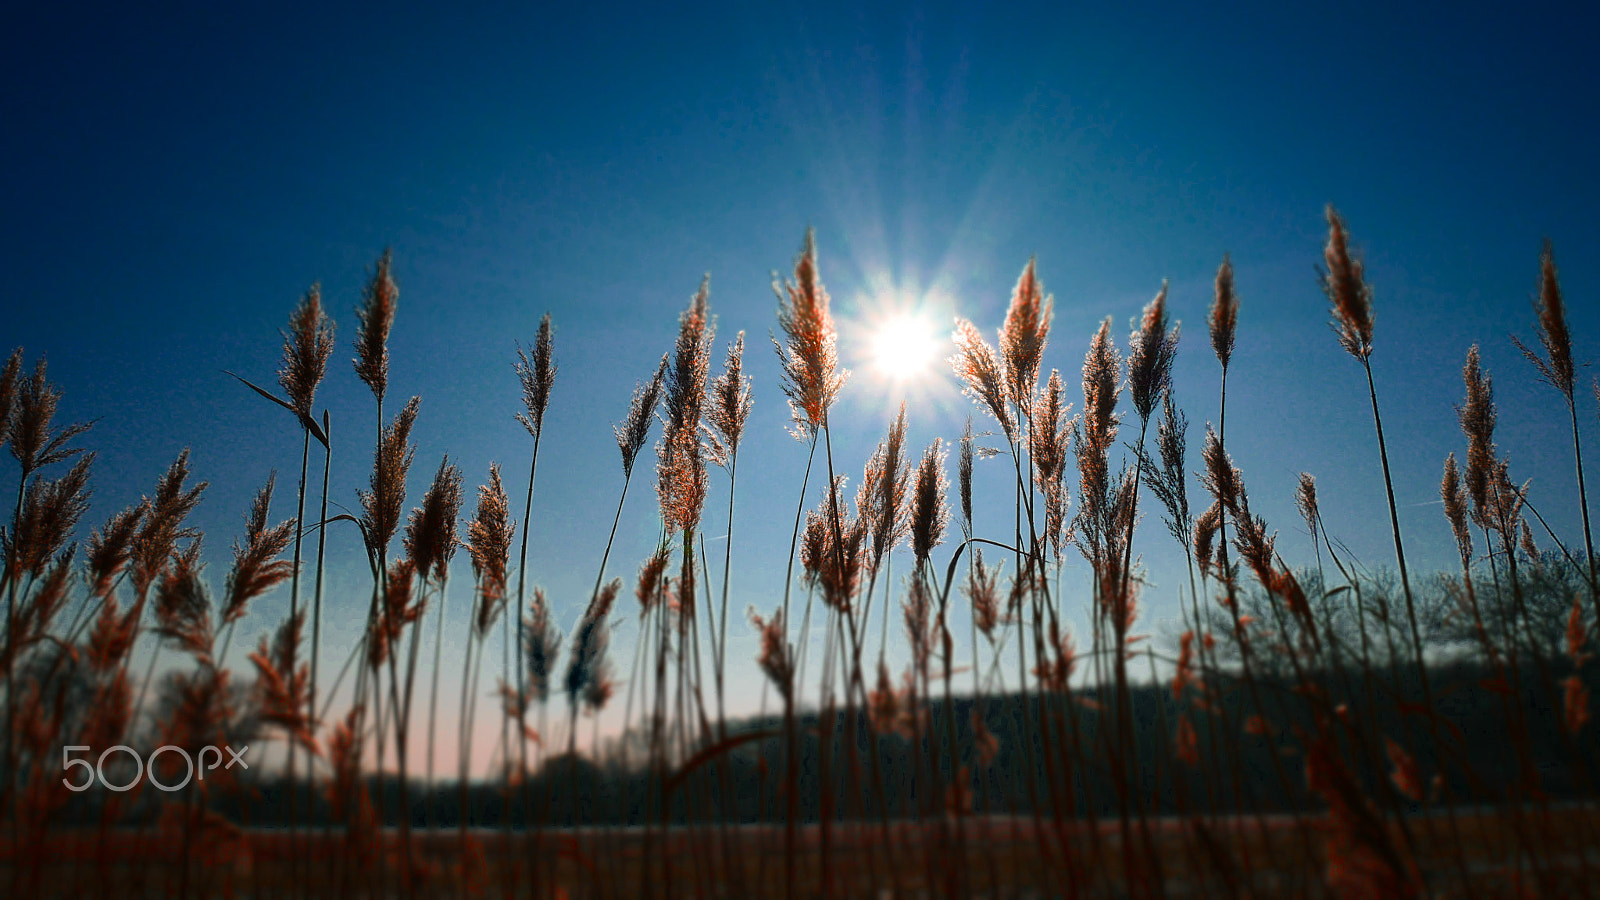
(635, 429)
(489, 543)
(930, 512)
(1023, 337)
(1224, 319)
(430, 540)
(111, 547)
(681, 467)
(984, 375)
(256, 566)
(381, 506)
(537, 375)
(8, 392)
(49, 515)
(29, 432)
(809, 355)
(1477, 416)
(1344, 282)
(306, 347)
(964, 468)
(730, 405)
(1305, 500)
(1556, 366)
(374, 318)
(1151, 349)
(774, 658)
(541, 641)
(1455, 509)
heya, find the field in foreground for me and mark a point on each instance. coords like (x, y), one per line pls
(1258, 856)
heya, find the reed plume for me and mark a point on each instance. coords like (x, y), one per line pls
(8, 392)
(33, 441)
(489, 544)
(541, 645)
(1224, 317)
(983, 374)
(1343, 280)
(183, 606)
(381, 506)
(635, 428)
(681, 469)
(774, 657)
(111, 546)
(1151, 349)
(885, 484)
(1455, 509)
(731, 402)
(930, 512)
(49, 515)
(164, 524)
(430, 539)
(1023, 337)
(374, 318)
(964, 474)
(1049, 439)
(537, 374)
(1477, 416)
(809, 356)
(1556, 367)
(256, 564)
(306, 347)
(589, 642)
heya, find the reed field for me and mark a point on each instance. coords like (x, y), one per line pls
(1316, 730)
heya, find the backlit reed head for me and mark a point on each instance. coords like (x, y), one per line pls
(1023, 336)
(374, 318)
(1344, 281)
(1151, 349)
(307, 344)
(635, 429)
(809, 355)
(983, 375)
(537, 372)
(1224, 318)
(431, 532)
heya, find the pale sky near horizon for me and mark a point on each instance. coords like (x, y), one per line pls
(172, 181)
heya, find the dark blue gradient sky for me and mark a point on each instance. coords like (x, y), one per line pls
(171, 182)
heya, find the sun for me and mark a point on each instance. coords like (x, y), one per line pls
(904, 346)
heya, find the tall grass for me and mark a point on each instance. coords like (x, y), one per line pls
(1275, 748)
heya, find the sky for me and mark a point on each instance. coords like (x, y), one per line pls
(172, 181)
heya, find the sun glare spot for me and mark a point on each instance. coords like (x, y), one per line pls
(904, 346)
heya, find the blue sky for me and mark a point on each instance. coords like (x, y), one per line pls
(172, 181)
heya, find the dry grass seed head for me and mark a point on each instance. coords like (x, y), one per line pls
(635, 429)
(1455, 509)
(774, 655)
(731, 402)
(1151, 349)
(163, 526)
(381, 506)
(1556, 366)
(489, 544)
(983, 374)
(541, 646)
(430, 540)
(809, 354)
(1023, 337)
(256, 566)
(8, 392)
(374, 319)
(886, 482)
(680, 470)
(964, 470)
(1305, 500)
(930, 513)
(307, 344)
(33, 442)
(1477, 416)
(1224, 317)
(1344, 282)
(49, 516)
(537, 375)
(983, 592)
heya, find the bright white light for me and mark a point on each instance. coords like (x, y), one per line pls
(904, 346)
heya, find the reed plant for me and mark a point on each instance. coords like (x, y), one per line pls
(1305, 732)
